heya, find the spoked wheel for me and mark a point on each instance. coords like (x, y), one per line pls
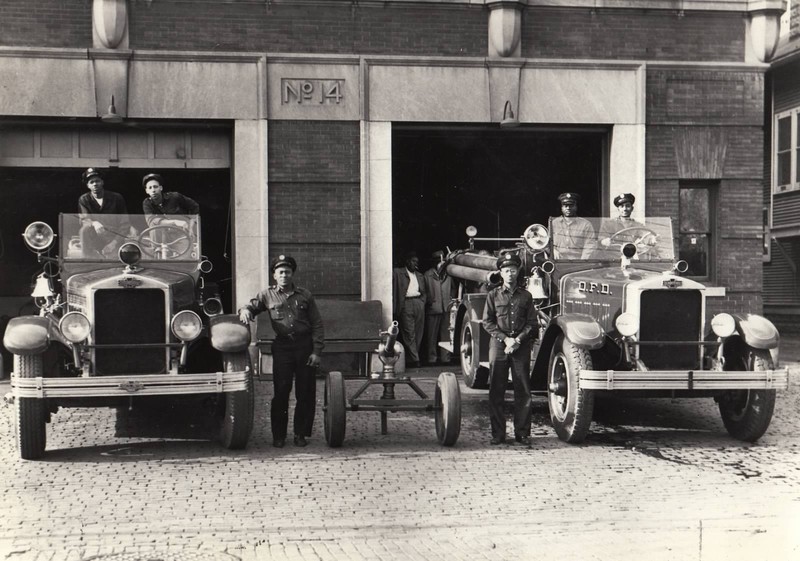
(178, 245)
(335, 405)
(747, 414)
(571, 408)
(31, 412)
(237, 422)
(475, 375)
(447, 401)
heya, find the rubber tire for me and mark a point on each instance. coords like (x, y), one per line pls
(571, 416)
(747, 414)
(476, 376)
(237, 421)
(447, 400)
(335, 409)
(31, 411)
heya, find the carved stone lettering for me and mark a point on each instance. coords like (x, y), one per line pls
(311, 91)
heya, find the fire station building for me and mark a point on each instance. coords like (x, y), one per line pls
(345, 132)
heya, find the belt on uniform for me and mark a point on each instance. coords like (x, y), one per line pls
(412, 297)
(292, 337)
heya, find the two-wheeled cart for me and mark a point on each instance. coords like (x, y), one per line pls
(446, 402)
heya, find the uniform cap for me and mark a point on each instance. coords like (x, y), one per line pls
(283, 261)
(88, 174)
(151, 176)
(507, 259)
(624, 198)
(567, 198)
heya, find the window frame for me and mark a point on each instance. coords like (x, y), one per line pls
(712, 189)
(793, 151)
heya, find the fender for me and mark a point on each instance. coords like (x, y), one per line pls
(581, 330)
(757, 331)
(228, 334)
(29, 335)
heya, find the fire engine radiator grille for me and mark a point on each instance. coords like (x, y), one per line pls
(124, 317)
(670, 315)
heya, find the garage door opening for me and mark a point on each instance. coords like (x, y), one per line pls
(447, 178)
(32, 194)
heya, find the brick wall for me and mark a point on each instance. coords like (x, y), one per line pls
(315, 202)
(382, 29)
(632, 34)
(46, 23)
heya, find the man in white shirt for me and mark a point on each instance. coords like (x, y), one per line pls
(408, 299)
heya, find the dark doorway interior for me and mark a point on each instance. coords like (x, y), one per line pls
(501, 181)
(31, 194)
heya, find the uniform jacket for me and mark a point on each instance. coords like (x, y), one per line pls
(509, 314)
(172, 203)
(291, 313)
(113, 203)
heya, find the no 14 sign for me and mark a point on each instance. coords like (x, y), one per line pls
(311, 91)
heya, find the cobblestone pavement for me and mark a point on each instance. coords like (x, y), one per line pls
(657, 479)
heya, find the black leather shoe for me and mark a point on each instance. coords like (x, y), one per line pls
(279, 442)
(524, 440)
(496, 440)
(300, 440)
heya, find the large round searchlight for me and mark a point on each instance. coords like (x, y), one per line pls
(38, 236)
(130, 253)
(187, 325)
(472, 231)
(75, 327)
(536, 237)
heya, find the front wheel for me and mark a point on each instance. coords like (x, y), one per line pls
(31, 412)
(571, 408)
(747, 414)
(447, 401)
(475, 375)
(237, 422)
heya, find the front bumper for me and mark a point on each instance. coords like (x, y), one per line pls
(684, 380)
(130, 385)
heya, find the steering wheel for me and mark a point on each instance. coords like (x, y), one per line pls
(643, 243)
(165, 250)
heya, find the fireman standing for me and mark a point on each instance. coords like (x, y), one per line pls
(299, 339)
(509, 318)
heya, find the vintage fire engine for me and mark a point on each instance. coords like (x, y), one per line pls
(616, 316)
(121, 323)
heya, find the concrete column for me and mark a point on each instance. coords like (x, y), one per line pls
(376, 215)
(626, 165)
(250, 209)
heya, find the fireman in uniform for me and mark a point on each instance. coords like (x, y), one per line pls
(98, 232)
(299, 339)
(509, 318)
(624, 204)
(573, 236)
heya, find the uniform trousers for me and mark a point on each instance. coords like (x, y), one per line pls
(499, 362)
(412, 326)
(289, 359)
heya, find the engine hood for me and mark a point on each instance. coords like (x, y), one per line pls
(181, 285)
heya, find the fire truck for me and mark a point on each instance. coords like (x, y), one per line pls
(615, 315)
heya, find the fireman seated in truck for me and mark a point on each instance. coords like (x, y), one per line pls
(573, 236)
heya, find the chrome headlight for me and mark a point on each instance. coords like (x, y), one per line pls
(186, 325)
(38, 236)
(627, 324)
(723, 325)
(536, 237)
(75, 327)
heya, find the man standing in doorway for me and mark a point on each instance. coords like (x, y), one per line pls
(439, 290)
(99, 235)
(573, 236)
(299, 339)
(509, 317)
(408, 295)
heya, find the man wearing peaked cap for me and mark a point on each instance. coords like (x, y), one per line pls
(611, 226)
(104, 217)
(573, 236)
(509, 318)
(299, 340)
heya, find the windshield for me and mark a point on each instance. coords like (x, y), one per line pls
(98, 237)
(593, 238)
